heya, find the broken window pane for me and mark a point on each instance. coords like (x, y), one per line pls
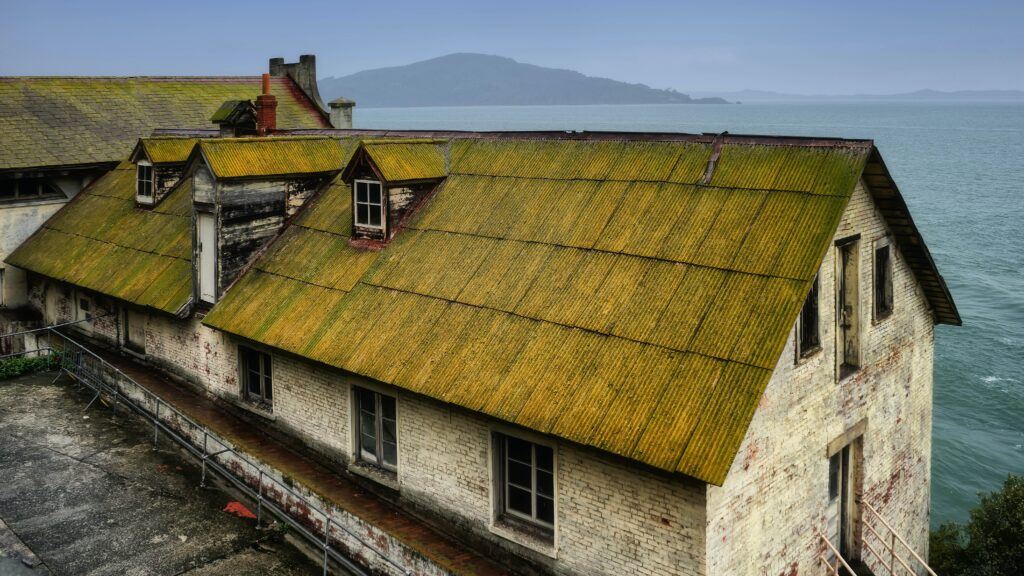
(883, 282)
(808, 338)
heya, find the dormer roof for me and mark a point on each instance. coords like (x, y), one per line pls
(273, 157)
(400, 161)
(163, 150)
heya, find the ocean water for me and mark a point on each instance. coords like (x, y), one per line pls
(961, 168)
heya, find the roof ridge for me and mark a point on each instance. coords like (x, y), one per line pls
(115, 77)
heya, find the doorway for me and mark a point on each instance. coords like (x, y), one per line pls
(135, 331)
(206, 246)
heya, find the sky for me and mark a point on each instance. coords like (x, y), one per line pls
(822, 47)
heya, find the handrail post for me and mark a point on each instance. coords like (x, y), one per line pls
(202, 481)
(327, 539)
(259, 499)
(892, 553)
(156, 423)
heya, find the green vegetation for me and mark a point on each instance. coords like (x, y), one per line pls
(18, 365)
(991, 543)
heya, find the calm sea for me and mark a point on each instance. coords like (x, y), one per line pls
(960, 167)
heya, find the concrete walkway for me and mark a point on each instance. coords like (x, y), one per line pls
(82, 493)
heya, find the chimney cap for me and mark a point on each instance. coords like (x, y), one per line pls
(341, 103)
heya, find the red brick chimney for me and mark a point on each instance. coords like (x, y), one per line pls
(266, 110)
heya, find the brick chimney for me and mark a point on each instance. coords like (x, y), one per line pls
(266, 110)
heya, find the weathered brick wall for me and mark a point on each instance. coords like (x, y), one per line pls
(611, 515)
(193, 351)
(764, 519)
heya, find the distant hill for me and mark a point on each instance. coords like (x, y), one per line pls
(918, 95)
(483, 80)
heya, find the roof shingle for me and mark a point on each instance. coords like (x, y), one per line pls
(61, 121)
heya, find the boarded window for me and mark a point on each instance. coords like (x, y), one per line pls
(377, 427)
(257, 376)
(883, 282)
(808, 335)
(527, 481)
(369, 204)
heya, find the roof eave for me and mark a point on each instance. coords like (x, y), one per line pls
(893, 206)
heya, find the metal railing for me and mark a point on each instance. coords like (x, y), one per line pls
(892, 546)
(837, 563)
(213, 452)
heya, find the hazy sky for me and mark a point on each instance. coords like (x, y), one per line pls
(806, 47)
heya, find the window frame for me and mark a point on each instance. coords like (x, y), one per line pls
(139, 196)
(504, 513)
(806, 350)
(882, 294)
(356, 203)
(11, 191)
(378, 458)
(265, 373)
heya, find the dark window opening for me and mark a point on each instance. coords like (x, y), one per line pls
(369, 204)
(883, 282)
(85, 308)
(145, 183)
(808, 335)
(377, 429)
(527, 481)
(28, 189)
(257, 376)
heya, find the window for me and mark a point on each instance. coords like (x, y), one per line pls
(883, 282)
(257, 376)
(144, 189)
(28, 189)
(377, 429)
(527, 481)
(369, 204)
(848, 314)
(84, 309)
(808, 338)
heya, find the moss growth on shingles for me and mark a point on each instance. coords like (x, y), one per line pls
(262, 157)
(543, 286)
(61, 121)
(102, 241)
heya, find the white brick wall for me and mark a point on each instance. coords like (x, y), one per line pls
(612, 517)
(763, 520)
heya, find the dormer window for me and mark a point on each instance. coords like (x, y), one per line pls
(369, 204)
(144, 185)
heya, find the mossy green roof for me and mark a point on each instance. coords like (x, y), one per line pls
(103, 242)
(166, 149)
(277, 156)
(404, 161)
(597, 291)
(60, 121)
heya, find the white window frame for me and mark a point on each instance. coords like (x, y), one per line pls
(145, 198)
(370, 205)
(378, 431)
(504, 510)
